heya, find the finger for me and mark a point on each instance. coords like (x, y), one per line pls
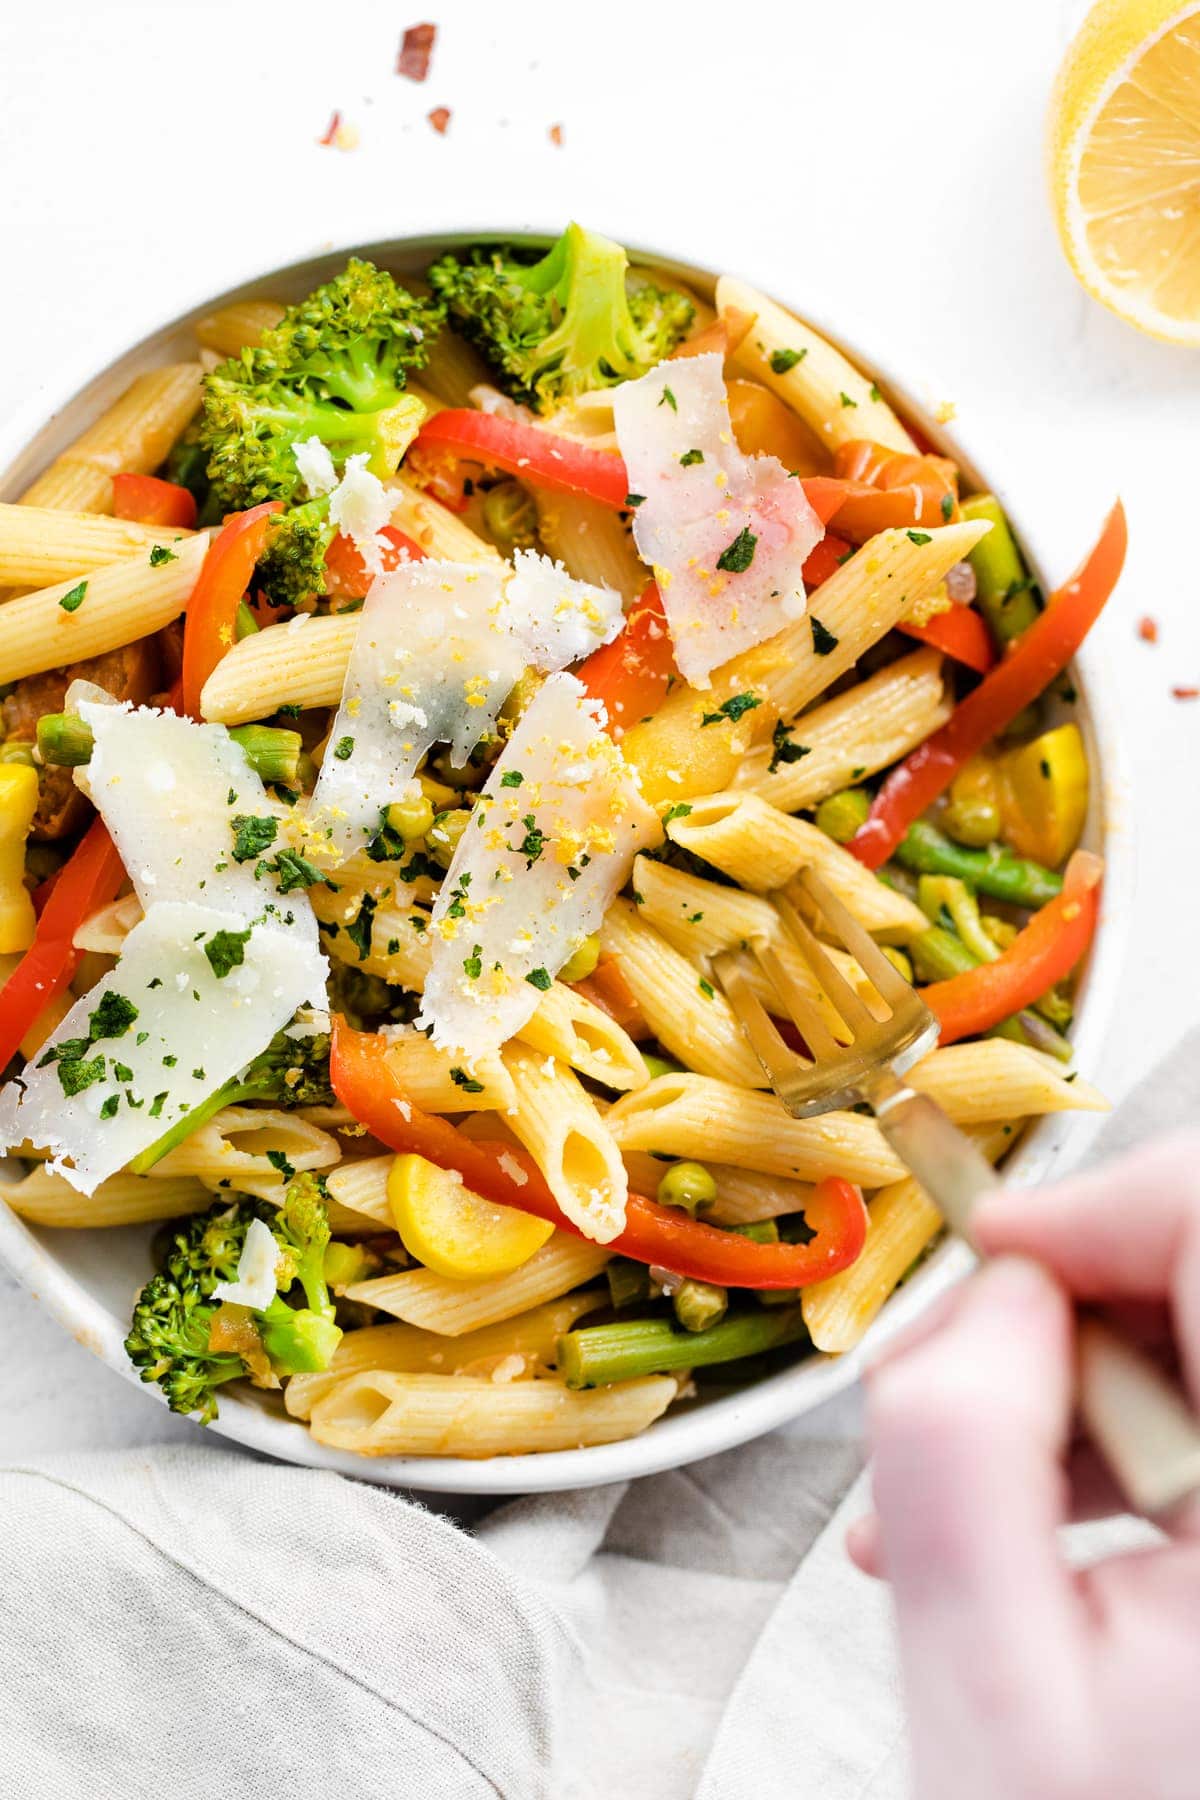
(967, 1432)
(1130, 1230)
(864, 1545)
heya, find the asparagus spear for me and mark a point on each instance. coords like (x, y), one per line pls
(274, 754)
(1007, 598)
(603, 1353)
(995, 871)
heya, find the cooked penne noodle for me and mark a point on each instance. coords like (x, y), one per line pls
(821, 384)
(573, 1028)
(439, 532)
(553, 1116)
(451, 1307)
(993, 1078)
(283, 665)
(47, 1199)
(124, 601)
(743, 1195)
(455, 1415)
(677, 756)
(591, 541)
(901, 1223)
(105, 930)
(763, 848)
(361, 1187)
(132, 437)
(438, 1081)
(454, 368)
(529, 1340)
(686, 1012)
(242, 322)
(40, 546)
(234, 1147)
(860, 732)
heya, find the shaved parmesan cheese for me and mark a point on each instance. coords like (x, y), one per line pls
(727, 534)
(178, 1017)
(170, 791)
(554, 618)
(316, 467)
(254, 1285)
(552, 840)
(360, 506)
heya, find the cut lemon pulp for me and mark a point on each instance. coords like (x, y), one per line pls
(1124, 150)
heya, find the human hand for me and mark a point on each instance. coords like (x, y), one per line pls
(1025, 1680)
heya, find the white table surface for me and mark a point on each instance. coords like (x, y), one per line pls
(880, 163)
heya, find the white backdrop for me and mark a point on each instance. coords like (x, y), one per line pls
(880, 163)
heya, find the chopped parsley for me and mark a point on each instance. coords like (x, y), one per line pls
(122, 1072)
(473, 964)
(290, 711)
(344, 749)
(873, 393)
(783, 360)
(823, 639)
(947, 507)
(76, 1074)
(689, 457)
(225, 951)
(113, 1017)
(918, 537)
(461, 1079)
(156, 1105)
(458, 897)
(360, 932)
(291, 870)
(680, 810)
(736, 558)
(160, 555)
(634, 500)
(534, 841)
(511, 778)
(695, 918)
(784, 749)
(668, 399)
(74, 600)
(109, 1106)
(252, 836)
(540, 978)
(846, 400)
(279, 1161)
(732, 709)
(707, 989)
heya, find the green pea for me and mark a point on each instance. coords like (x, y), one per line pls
(510, 515)
(444, 833)
(582, 961)
(973, 820)
(699, 1304)
(660, 1065)
(689, 1185)
(17, 751)
(412, 818)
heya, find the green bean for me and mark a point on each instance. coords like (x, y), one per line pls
(840, 815)
(1007, 598)
(618, 1352)
(996, 872)
(444, 834)
(628, 1282)
(411, 819)
(66, 741)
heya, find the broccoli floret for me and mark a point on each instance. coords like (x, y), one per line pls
(559, 325)
(289, 1072)
(334, 368)
(171, 1334)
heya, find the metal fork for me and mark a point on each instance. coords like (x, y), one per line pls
(1138, 1419)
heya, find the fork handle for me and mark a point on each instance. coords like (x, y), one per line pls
(1136, 1417)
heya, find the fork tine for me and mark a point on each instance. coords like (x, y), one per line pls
(776, 1058)
(800, 1005)
(854, 1013)
(884, 977)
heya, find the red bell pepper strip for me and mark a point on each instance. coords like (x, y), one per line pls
(1038, 656)
(1045, 952)
(153, 502)
(208, 632)
(346, 572)
(89, 879)
(631, 675)
(664, 1236)
(959, 632)
(526, 450)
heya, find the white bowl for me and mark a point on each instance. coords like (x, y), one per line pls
(87, 1279)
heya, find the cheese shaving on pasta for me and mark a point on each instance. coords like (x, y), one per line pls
(196, 996)
(440, 648)
(727, 534)
(254, 1284)
(551, 841)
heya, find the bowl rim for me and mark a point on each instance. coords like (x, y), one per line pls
(724, 1422)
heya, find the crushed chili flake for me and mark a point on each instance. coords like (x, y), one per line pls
(416, 48)
(1148, 630)
(332, 129)
(1185, 693)
(556, 135)
(439, 118)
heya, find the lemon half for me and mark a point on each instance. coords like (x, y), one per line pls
(1124, 148)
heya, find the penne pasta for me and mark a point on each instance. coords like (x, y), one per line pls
(862, 731)
(361, 1187)
(743, 1195)
(455, 1415)
(744, 837)
(819, 383)
(686, 1012)
(242, 322)
(233, 1150)
(125, 601)
(437, 1081)
(132, 437)
(591, 541)
(40, 545)
(994, 1079)
(451, 1307)
(454, 367)
(434, 527)
(557, 1122)
(71, 487)
(47, 1199)
(529, 1340)
(284, 665)
(677, 756)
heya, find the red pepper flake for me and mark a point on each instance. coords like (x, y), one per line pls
(439, 118)
(332, 129)
(1185, 693)
(416, 48)
(556, 135)
(1148, 630)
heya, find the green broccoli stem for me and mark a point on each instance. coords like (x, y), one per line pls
(198, 1115)
(1006, 598)
(996, 871)
(66, 741)
(602, 1353)
(298, 1340)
